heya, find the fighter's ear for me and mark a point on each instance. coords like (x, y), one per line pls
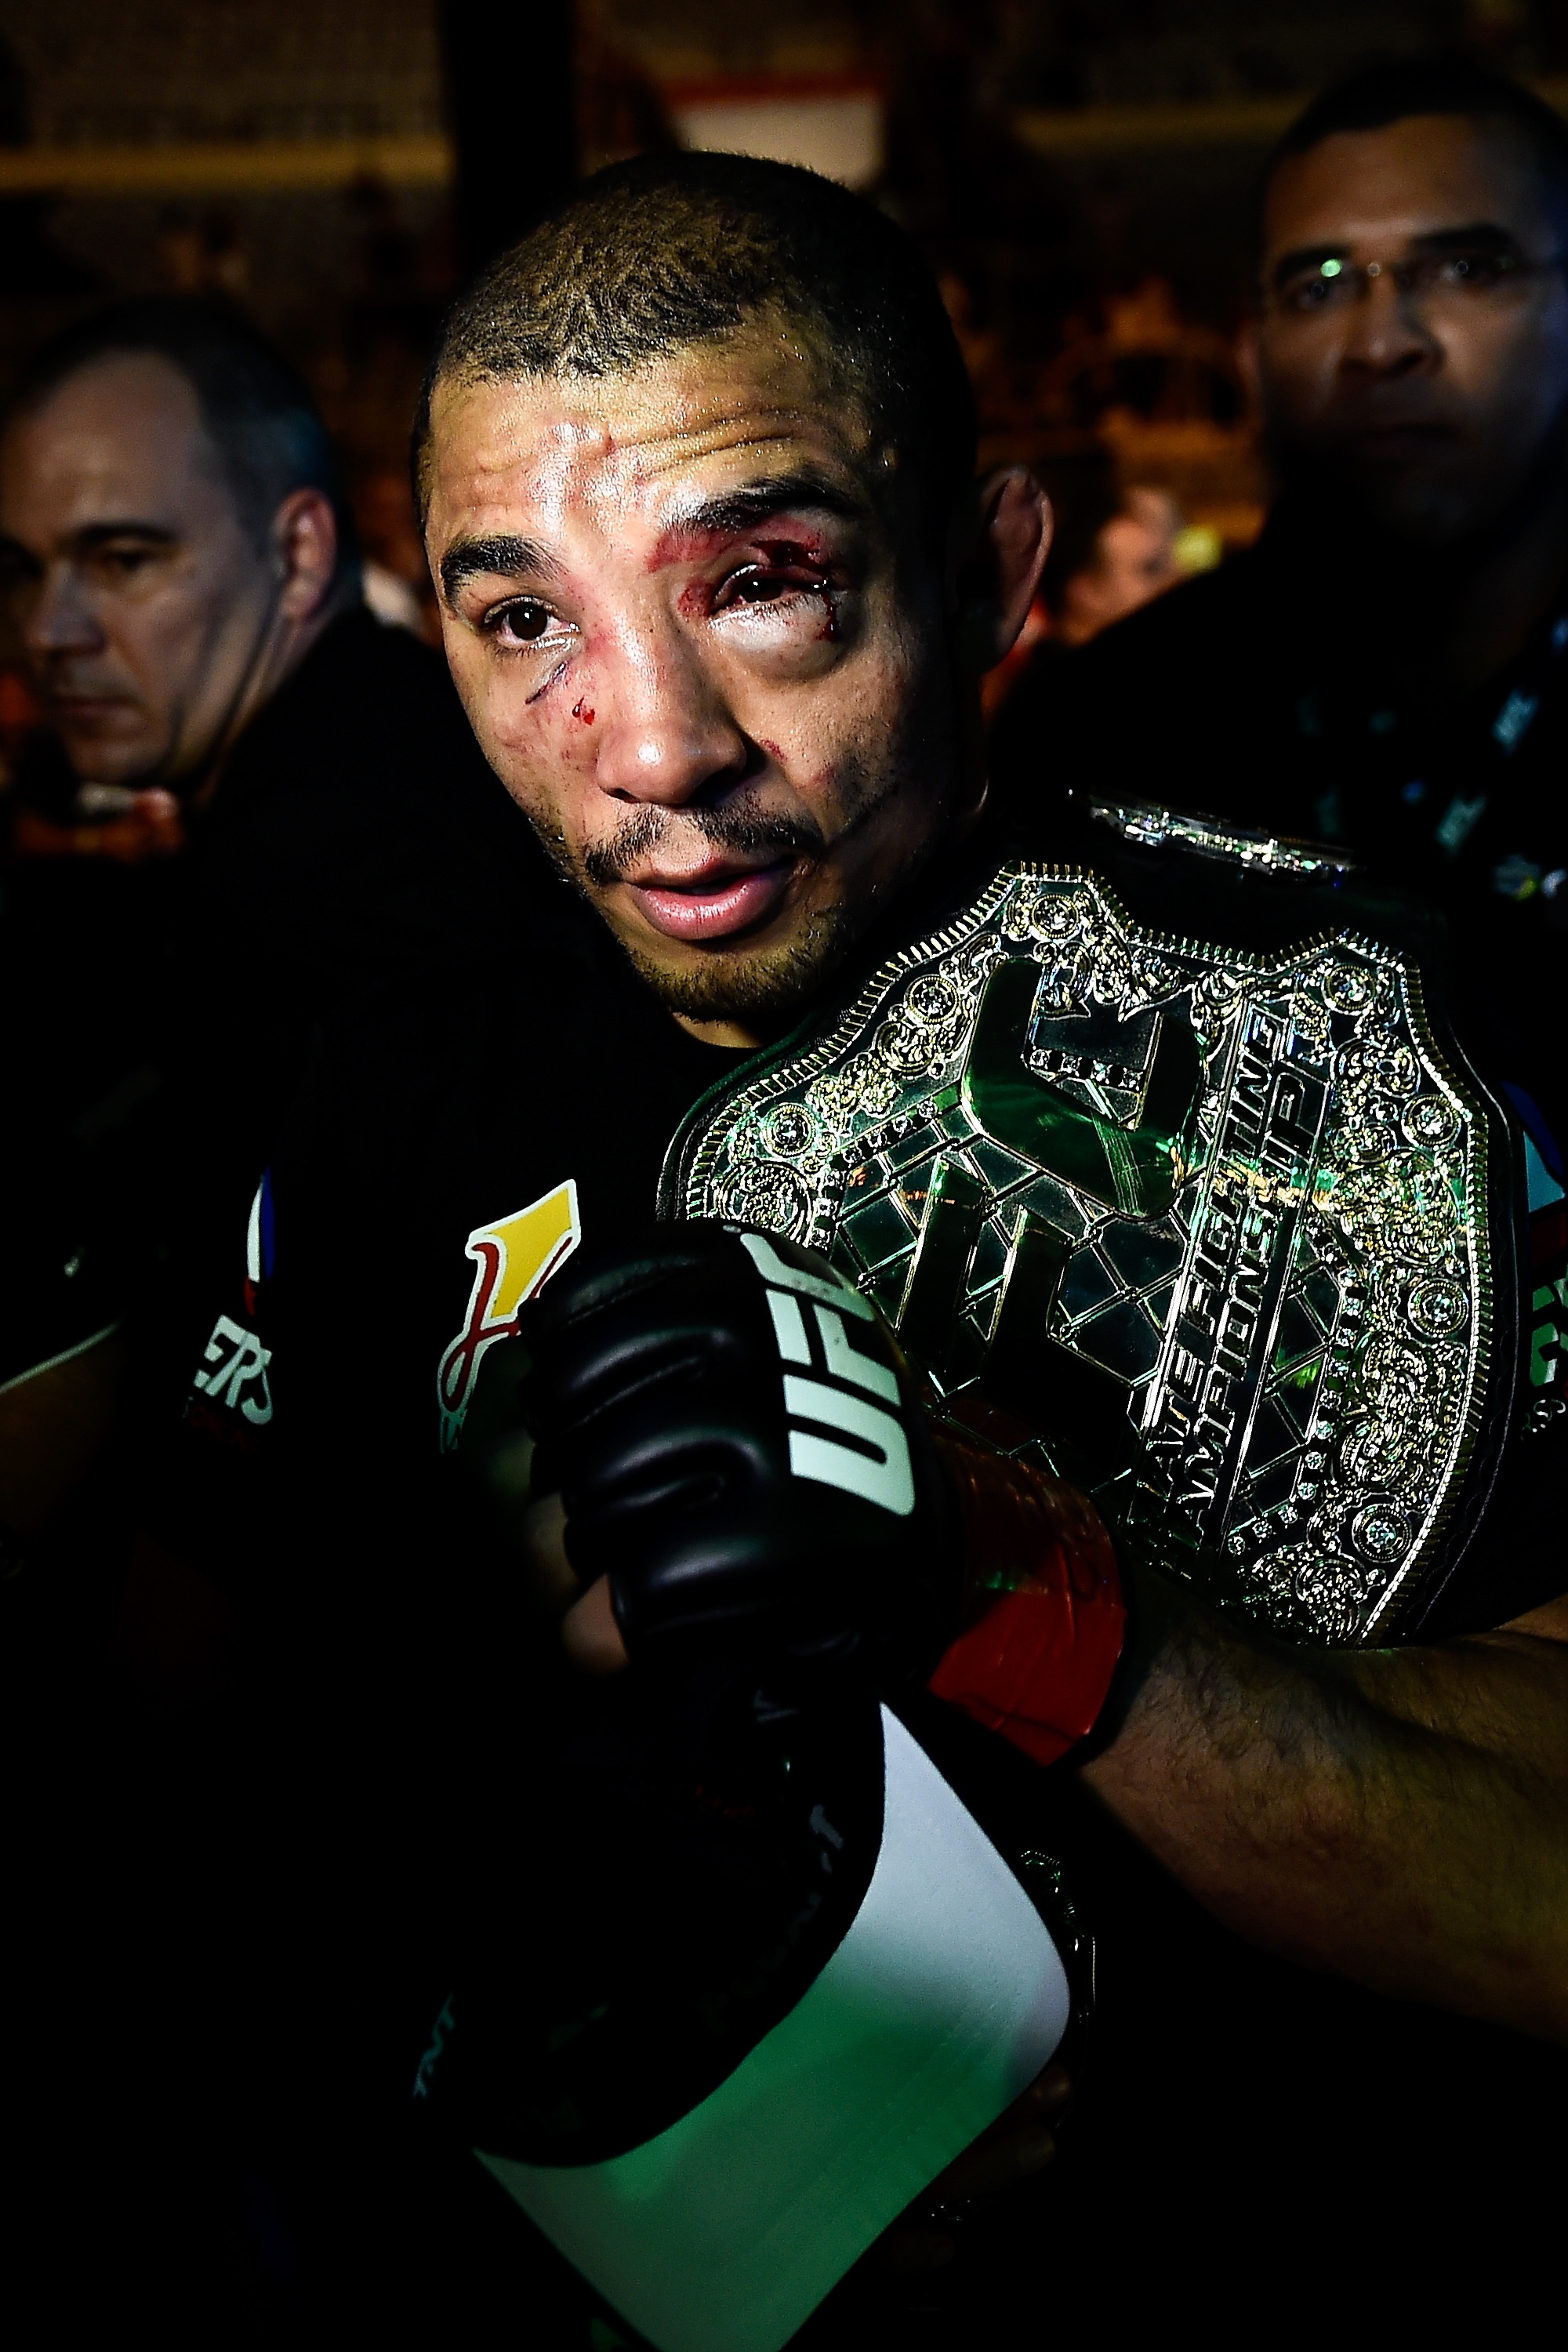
(1000, 545)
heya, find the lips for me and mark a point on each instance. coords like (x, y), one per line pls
(86, 710)
(717, 902)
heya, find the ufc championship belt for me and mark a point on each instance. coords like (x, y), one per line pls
(1225, 1236)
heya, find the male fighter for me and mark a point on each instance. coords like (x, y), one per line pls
(717, 591)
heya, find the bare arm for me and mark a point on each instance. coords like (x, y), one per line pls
(1399, 1817)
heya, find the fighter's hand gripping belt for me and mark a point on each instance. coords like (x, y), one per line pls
(1046, 1623)
(740, 1449)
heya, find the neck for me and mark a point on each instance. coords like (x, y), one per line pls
(1496, 602)
(1438, 622)
(281, 647)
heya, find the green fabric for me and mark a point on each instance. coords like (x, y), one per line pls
(942, 2002)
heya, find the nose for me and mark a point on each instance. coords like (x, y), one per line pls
(59, 618)
(667, 734)
(1387, 334)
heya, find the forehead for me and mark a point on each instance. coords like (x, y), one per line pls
(617, 453)
(121, 437)
(1429, 172)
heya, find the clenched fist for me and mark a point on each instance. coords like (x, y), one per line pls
(739, 1450)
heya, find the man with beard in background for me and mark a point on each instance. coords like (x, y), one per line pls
(1388, 667)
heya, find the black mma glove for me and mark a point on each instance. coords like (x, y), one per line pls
(739, 1449)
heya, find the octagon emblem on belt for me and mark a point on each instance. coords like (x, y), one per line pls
(1206, 1231)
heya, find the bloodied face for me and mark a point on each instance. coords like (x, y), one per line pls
(710, 642)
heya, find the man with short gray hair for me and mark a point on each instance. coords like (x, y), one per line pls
(180, 561)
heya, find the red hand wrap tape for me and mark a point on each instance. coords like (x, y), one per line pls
(1048, 1622)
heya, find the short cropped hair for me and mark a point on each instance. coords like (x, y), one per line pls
(256, 408)
(1386, 94)
(655, 255)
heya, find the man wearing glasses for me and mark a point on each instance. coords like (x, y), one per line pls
(1385, 668)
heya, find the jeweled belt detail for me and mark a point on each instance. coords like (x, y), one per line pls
(1207, 1230)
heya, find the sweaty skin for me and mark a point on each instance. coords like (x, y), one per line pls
(694, 618)
(1439, 419)
(1401, 1817)
(153, 623)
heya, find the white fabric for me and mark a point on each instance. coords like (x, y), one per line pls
(943, 2002)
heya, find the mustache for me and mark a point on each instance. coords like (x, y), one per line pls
(737, 825)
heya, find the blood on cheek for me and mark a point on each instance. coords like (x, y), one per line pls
(582, 710)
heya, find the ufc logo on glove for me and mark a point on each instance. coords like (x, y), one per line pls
(882, 1475)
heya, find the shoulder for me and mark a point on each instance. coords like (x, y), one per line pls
(358, 649)
(358, 822)
(1201, 611)
(1160, 707)
(370, 716)
(386, 1062)
(418, 1058)
(1180, 643)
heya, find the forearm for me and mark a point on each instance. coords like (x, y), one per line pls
(1400, 1818)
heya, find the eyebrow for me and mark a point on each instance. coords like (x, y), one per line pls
(728, 515)
(97, 534)
(89, 537)
(510, 558)
(1484, 233)
(1489, 234)
(733, 512)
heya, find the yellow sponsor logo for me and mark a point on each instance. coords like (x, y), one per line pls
(513, 1259)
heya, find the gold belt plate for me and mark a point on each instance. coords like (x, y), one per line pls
(1206, 1230)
